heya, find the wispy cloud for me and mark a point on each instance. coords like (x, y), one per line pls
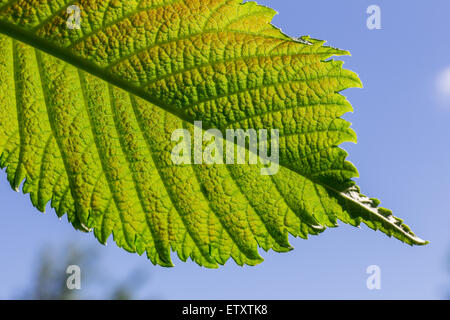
(443, 85)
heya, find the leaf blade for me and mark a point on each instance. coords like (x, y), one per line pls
(235, 71)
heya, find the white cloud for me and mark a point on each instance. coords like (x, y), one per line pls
(443, 83)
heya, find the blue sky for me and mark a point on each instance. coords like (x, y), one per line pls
(402, 120)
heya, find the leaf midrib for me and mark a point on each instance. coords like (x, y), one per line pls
(48, 47)
(89, 67)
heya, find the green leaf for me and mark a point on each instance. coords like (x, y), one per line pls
(87, 115)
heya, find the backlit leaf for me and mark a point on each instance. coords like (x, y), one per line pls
(87, 114)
